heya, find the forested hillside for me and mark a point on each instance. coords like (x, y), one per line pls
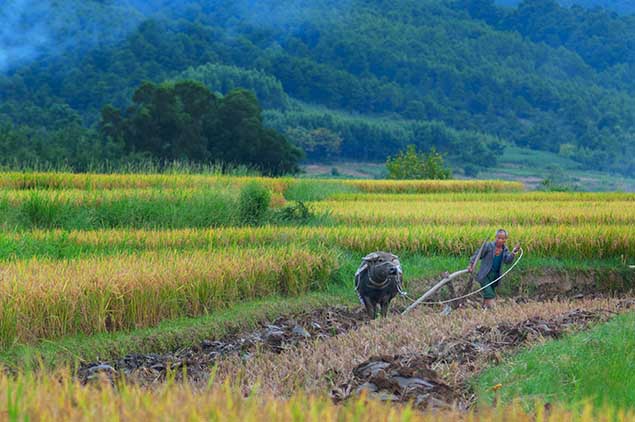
(620, 6)
(466, 77)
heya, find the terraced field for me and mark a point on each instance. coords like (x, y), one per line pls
(116, 282)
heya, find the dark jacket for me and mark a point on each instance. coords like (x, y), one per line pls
(487, 259)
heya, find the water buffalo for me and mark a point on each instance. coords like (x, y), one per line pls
(377, 281)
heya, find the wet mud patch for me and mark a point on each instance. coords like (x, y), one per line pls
(438, 378)
(196, 363)
(398, 379)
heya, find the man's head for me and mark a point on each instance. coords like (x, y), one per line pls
(501, 237)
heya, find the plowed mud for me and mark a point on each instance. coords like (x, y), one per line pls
(415, 378)
(435, 378)
(278, 335)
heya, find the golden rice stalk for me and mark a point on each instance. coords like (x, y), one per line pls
(47, 299)
(35, 180)
(55, 397)
(556, 241)
(494, 211)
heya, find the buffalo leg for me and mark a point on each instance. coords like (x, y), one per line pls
(371, 308)
(384, 310)
(384, 307)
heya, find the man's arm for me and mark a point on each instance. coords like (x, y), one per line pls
(509, 256)
(474, 257)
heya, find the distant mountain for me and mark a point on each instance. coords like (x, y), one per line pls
(625, 7)
(464, 76)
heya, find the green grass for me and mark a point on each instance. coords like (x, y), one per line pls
(59, 245)
(532, 166)
(42, 210)
(529, 158)
(345, 170)
(141, 166)
(597, 366)
(316, 190)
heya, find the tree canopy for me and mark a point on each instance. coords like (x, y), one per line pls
(412, 164)
(185, 121)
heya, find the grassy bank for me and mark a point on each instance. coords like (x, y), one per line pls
(216, 205)
(596, 367)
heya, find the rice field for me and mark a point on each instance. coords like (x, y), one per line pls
(44, 299)
(533, 196)
(488, 210)
(588, 241)
(179, 181)
(89, 254)
(58, 397)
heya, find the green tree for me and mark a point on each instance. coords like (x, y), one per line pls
(318, 144)
(411, 164)
(186, 121)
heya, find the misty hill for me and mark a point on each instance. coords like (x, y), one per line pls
(467, 77)
(620, 6)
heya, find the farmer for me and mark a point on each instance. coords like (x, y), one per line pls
(493, 254)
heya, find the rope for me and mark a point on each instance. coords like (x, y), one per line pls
(443, 302)
(401, 291)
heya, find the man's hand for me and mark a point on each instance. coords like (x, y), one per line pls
(470, 268)
(516, 248)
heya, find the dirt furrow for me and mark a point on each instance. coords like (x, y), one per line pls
(455, 346)
(276, 336)
(425, 358)
(414, 377)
